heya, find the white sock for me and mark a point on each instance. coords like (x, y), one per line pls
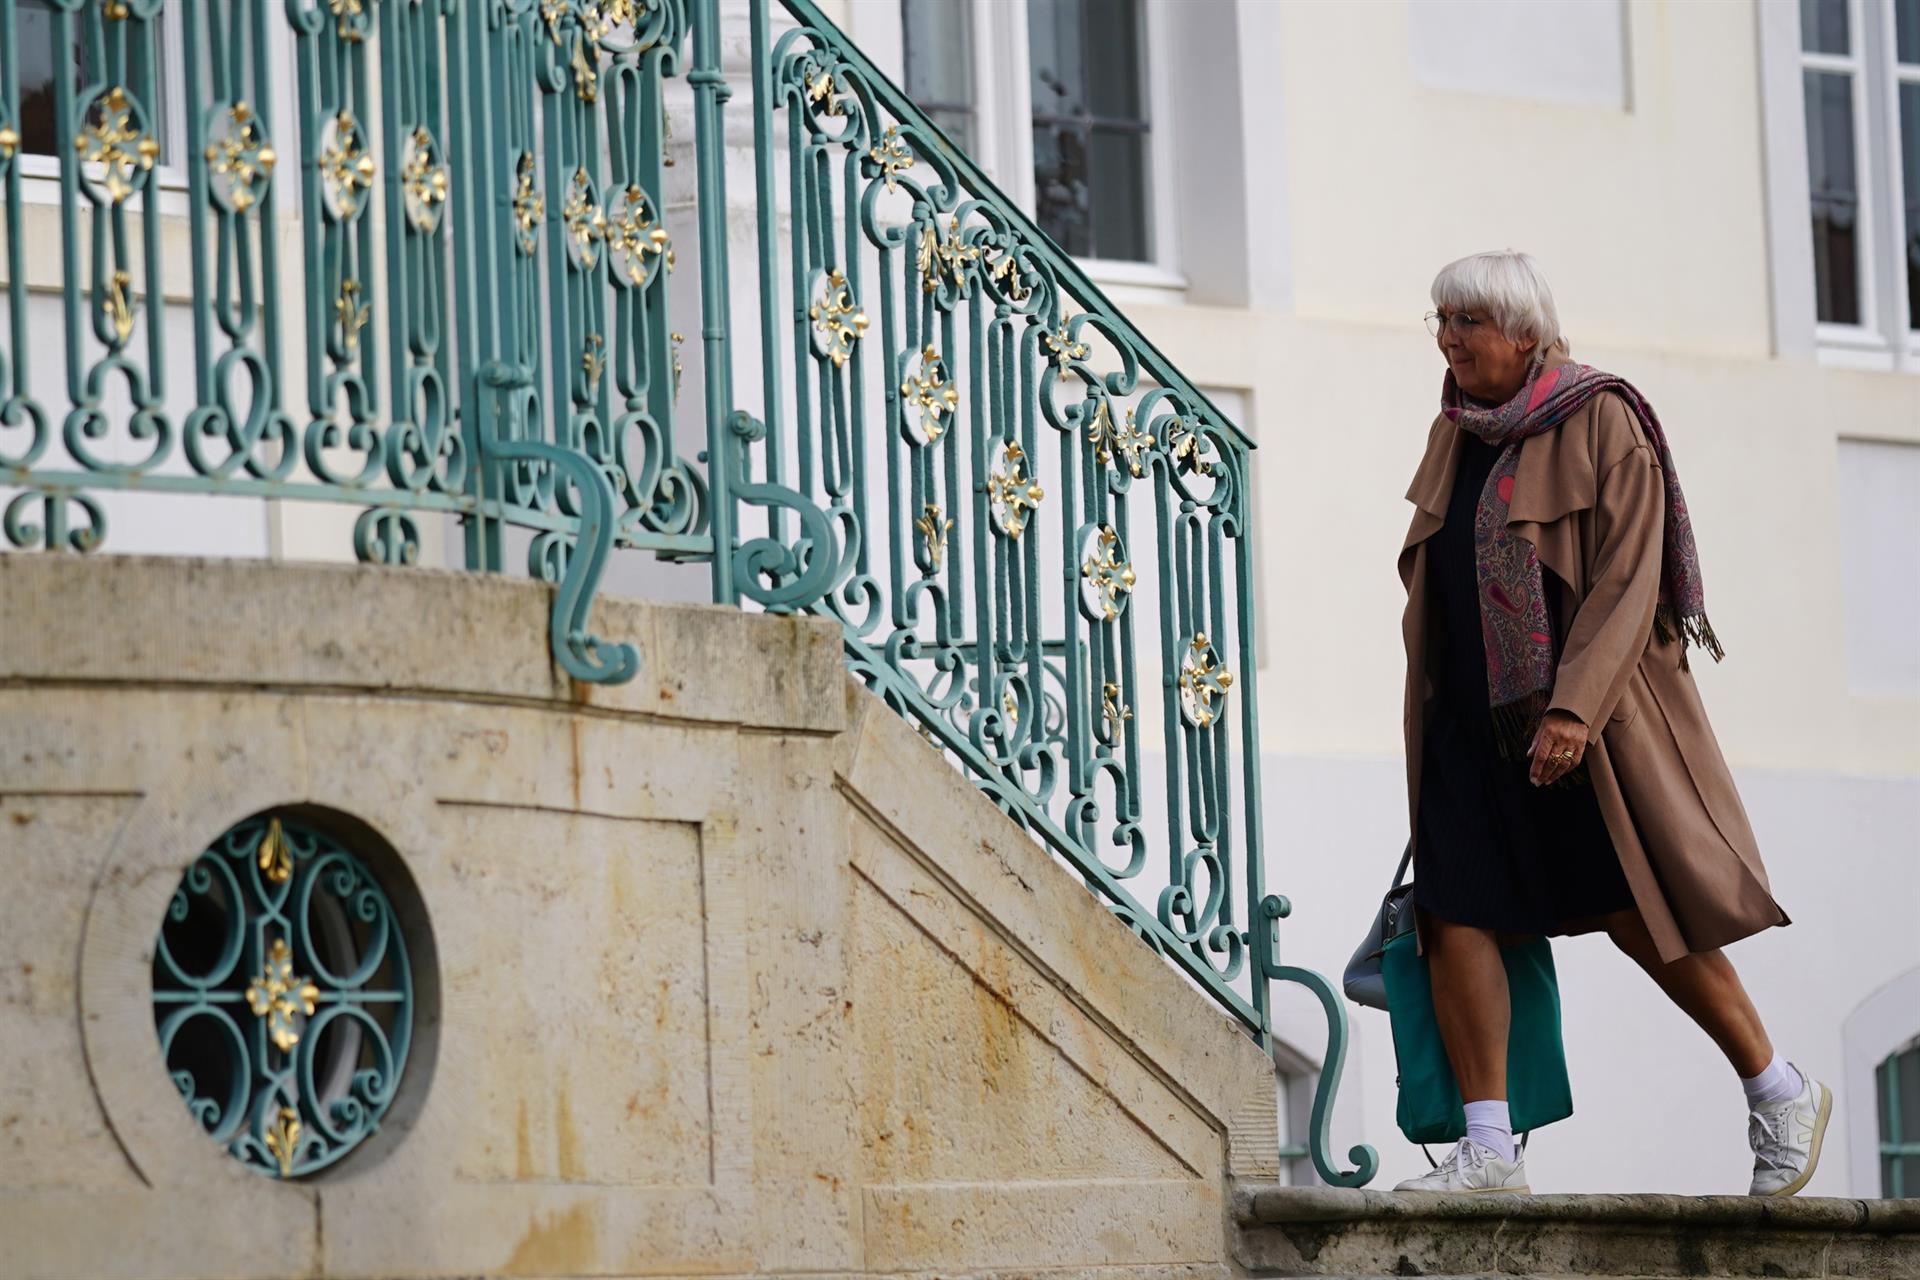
(1777, 1083)
(1488, 1124)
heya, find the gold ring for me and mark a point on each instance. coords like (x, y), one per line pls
(1561, 755)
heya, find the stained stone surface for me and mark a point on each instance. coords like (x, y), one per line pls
(729, 974)
(1309, 1231)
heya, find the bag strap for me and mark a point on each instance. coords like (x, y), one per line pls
(1406, 860)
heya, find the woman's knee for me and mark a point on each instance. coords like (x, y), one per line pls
(1627, 929)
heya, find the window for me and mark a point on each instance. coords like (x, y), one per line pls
(1880, 568)
(1860, 88)
(150, 76)
(1090, 128)
(1574, 51)
(39, 59)
(1906, 45)
(1830, 73)
(936, 39)
(1057, 102)
(1898, 1090)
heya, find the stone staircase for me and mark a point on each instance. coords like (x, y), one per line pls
(1325, 1231)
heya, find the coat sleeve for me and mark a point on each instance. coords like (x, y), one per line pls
(1611, 627)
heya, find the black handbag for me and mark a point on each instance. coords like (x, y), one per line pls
(1365, 982)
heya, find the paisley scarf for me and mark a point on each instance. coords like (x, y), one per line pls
(1521, 654)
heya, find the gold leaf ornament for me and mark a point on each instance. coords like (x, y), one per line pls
(279, 996)
(347, 168)
(837, 322)
(239, 159)
(1203, 682)
(1114, 712)
(425, 181)
(1107, 578)
(114, 137)
(933, 533)
(275, 857)
(282, 1139)
(1012, 495)
(928, 397)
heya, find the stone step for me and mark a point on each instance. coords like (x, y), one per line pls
(1329, 1231)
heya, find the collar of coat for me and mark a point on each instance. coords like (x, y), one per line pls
(1554, 479)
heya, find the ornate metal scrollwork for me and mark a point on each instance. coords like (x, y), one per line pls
(283, 996)
(347, 169)
(239, 158)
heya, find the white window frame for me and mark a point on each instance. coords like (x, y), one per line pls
(1003, 118)
(1881, 1024)
(40, 174)
(1883, 339)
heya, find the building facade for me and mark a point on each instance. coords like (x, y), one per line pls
(1726, 199)
(1724, 196)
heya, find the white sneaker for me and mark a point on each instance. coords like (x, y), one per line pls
(1470, 1169)
(1785, 1137)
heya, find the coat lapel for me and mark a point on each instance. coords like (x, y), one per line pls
(1431, 490)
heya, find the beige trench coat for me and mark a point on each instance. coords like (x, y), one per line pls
(1589, 496)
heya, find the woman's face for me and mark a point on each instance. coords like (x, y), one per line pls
(1487, 364)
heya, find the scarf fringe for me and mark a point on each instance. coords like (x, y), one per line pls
(1695, 631)
(1514, 725)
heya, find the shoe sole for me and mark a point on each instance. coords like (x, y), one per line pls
(1521, 1190)
(1813, 1152)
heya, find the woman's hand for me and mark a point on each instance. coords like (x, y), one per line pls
(1558, 745)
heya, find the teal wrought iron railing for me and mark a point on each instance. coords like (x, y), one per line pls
(1035, 532)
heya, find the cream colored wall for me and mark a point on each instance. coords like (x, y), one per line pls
(1650, 223)
(1650, 219)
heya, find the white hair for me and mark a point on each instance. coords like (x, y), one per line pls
(1506, 287)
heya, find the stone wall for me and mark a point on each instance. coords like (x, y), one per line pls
(722, 972)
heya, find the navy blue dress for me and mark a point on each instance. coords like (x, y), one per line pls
(1495, 851)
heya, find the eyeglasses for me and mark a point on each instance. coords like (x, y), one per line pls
(1459, 322)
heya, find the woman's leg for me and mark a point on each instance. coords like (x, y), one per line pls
(1705, 987)
(1470, 1004)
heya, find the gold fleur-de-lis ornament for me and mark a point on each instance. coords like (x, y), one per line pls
(278, 996)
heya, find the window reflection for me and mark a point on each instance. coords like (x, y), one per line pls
(1090, 126)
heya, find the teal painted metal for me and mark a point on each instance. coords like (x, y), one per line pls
(1897, 1150)
(949, 438)
(1047, 472)
(486, 305)
(283, 996)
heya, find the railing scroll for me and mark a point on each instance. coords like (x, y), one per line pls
(1035, 532)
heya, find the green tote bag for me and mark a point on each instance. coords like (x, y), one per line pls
(1537, 1092)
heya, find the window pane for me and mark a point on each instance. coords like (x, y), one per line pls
(1119, 187)
(1823, 26)
(1907, 1081)
(1835, 192)
(1883, 1098)
(1057, 57)
(957, 125)
(1113, 59)
(1060, 193)
(1906, 30)
(39, 131)
(1910, 176)
(1900, 1176)
(939, 52)
(1090, 180)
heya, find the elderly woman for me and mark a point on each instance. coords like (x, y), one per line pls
(1560, 770)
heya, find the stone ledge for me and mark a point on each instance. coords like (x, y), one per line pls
(1335, 1231)
(165, 621)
